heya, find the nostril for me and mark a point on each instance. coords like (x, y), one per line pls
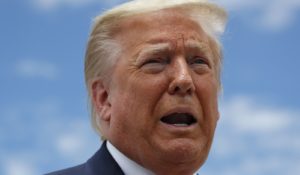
(181, 83)
(181, 88)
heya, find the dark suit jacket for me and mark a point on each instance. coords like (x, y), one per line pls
(102, 163)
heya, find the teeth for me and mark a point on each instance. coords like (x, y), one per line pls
(181, 124)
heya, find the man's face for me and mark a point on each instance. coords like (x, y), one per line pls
(163, 93)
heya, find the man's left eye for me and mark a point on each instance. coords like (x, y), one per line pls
(198, 60)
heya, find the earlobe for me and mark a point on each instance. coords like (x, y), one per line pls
(100, 100)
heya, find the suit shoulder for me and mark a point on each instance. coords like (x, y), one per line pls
(79, 169)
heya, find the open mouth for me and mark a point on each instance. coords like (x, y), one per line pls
(179, 119)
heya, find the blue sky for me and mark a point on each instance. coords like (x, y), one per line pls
(44, 122)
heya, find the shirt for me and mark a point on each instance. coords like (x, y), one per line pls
(128, 166)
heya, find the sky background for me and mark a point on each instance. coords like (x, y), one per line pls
(44, 116)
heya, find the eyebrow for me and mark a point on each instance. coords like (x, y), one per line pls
(155, 48)
(197, 45)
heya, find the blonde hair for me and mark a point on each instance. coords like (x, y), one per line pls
(103, 50)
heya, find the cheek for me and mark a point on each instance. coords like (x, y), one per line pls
(207, 88)
(148, 90)
(134, 100)
(124, 122)
(207, 92)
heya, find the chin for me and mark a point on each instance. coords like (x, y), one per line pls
(184, 150)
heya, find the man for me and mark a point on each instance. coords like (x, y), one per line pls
(152, 71)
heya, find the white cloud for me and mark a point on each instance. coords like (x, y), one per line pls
(273, 15)
(74, 139)
(36, 69)
(52, 4)
(280, 14)
(236, 5)
(245, 115)
(17, 166)
(42, 138)
(256, 138)
(49, 5)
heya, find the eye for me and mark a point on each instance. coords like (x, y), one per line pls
(153, 61)
(156, 61)
(154, 65)
(200, 65)
(198, 61)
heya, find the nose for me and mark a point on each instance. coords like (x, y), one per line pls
(181, 79)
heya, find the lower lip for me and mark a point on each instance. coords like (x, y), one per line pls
(179, 128)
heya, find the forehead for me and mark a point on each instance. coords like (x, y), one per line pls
(168, 24)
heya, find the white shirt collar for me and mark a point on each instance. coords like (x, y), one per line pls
(128, 166)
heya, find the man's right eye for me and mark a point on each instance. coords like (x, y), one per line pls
(156, 60)
(153, 61)
(155, 65)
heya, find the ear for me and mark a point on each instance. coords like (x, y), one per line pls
(100, 100)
